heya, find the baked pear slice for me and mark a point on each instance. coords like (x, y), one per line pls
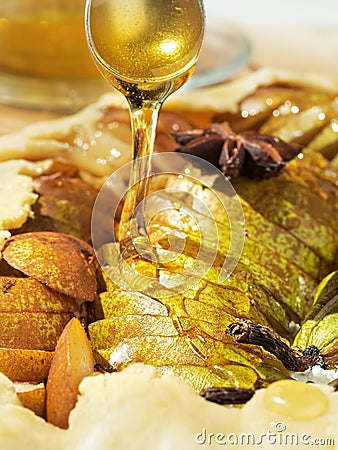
(61, 262)
(73, 360)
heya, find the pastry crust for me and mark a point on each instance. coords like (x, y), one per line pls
(97, 139)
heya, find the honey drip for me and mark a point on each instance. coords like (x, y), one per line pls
(146, 50)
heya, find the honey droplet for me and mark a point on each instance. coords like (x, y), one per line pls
(294, 399)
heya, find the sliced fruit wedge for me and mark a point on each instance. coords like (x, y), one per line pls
(73, 360)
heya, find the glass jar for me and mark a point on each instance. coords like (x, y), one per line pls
(44, 59)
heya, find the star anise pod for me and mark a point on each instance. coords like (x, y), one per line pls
(248, 153)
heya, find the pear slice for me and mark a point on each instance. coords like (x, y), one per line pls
(61, 262)
(258, 107)
(297, 209)
(32, 396)
(73, 360)
(305, 124)
(32, 315)
(23, 365)
(121, 303)
(67, 202)
(320, 327)
(27, 295)
(32, 331)
(327, 140)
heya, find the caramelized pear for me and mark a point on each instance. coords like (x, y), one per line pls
(298, 208)
(25, 365)
(290, 242)
(327, 140)
(27, 295)
(300, 119)
(319, 331)
(258, 107)
(64, 205)
(32, 315)
(32, 396)
(61, 262)
(73, 360)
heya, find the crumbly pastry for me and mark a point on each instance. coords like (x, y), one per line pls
(226, 97)
(17, 193)
(137, 408)
(97, 139)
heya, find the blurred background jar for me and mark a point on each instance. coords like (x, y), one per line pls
(44, 59)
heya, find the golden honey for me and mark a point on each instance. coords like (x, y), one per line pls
(44, 39)
(44, 58)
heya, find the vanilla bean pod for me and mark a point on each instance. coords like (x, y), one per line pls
(253, 333)
(227, 396)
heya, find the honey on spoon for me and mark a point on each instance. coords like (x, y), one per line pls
(146, 49)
